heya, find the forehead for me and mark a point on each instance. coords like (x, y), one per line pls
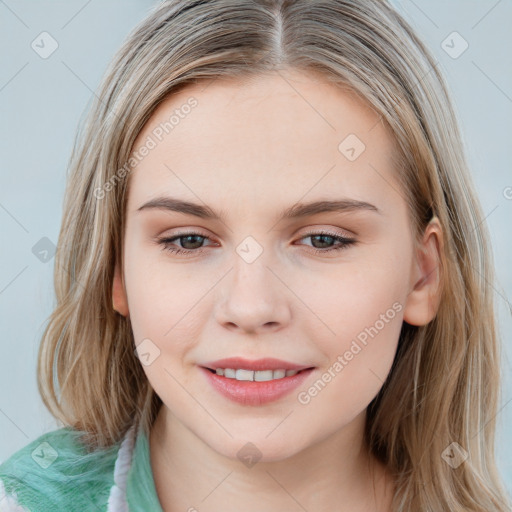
(276, 136)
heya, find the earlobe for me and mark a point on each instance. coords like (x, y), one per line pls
(425, 286)
(119, 299)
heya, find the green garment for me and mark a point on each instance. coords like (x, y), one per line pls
(54, 473)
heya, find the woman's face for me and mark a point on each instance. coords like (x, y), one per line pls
(254, 280)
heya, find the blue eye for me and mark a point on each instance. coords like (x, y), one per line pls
(326, 237)
(196, 239)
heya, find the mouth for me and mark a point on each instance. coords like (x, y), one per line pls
(256, 387)
(230, 364)
(242, 374)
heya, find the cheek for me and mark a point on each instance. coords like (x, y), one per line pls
(350, 296)
(358, 353)
(166, 315)
(357, 319)
(164, 297)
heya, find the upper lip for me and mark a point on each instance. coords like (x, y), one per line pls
(267, 363)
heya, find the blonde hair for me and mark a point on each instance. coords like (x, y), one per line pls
(445, 381)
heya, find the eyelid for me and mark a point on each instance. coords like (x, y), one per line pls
(334, 231)
(331, 230)
(341, 237)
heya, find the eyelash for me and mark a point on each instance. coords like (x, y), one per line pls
(166, 242)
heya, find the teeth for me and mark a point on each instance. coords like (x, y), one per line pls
(258, 376)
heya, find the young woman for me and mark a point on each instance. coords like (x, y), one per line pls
(272, 277)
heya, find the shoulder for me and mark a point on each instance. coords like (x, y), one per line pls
(56, 473)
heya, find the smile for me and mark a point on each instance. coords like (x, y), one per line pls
(255, 375)
(253, 387)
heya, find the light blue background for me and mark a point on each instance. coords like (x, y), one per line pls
(42, 100)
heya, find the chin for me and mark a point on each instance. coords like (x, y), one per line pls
(257, 448)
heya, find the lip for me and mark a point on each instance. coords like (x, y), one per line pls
(267, 363)
(253, 393)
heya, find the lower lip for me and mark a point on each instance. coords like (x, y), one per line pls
(249, 392)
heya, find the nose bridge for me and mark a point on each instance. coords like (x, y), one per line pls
(252, 297)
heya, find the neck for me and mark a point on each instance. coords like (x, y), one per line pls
(336, 473)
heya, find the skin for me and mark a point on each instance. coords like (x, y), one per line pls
(252, 149)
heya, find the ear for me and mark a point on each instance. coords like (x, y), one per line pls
(425, 284)
(119, 299)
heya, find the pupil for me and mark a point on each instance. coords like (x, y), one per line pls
(198, 242)
(323, 237)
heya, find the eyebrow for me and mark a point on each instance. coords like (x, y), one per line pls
(296, 211)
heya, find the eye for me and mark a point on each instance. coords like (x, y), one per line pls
(325, 237)
(191, 242)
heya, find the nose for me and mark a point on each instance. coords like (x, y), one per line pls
(252, 299)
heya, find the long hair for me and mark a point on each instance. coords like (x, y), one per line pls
(442, 393)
